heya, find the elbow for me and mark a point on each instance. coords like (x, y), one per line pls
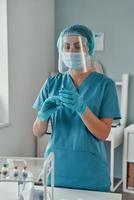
(105, 135)
(104, 138)
(36, 131)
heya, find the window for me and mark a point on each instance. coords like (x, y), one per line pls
(4, 96)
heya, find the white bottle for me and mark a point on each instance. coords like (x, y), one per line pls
(15, 172)
(5, 171)
(24, 172)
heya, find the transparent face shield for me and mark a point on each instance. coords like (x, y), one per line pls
(73, 54)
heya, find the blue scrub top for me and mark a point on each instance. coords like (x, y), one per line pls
(81, 160)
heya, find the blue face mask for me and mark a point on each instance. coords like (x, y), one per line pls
(75, 61)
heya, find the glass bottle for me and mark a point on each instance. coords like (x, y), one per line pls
(5, 170)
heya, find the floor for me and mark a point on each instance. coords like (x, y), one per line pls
(125, 196)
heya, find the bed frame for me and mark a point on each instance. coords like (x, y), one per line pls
(117, 133)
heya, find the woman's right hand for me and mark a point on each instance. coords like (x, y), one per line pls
(49, 106)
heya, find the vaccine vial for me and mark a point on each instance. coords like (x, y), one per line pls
(5, 170)
(39, 182)
(24, 172)
(15, 172)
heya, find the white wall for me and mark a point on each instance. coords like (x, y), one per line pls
(31, 58)
(4, 104)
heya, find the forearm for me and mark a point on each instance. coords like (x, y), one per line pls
(96, 126)
(39, 127)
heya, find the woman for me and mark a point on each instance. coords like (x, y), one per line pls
(81, 105)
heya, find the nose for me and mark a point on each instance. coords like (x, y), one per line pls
(72, 48)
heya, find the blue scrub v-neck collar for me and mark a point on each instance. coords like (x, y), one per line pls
(83, 82)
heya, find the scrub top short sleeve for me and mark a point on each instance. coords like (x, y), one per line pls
(43, 94)
(109, 106)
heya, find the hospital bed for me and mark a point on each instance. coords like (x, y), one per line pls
(117, 132)
(50, 193)
(116, 135)
(61, 194)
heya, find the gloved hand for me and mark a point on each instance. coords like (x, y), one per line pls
(73, 100)
(49, 106)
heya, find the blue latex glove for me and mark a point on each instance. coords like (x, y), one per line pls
(49, 106)
(73, 100)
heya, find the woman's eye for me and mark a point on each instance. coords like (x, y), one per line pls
(77, 46)
(66, 46)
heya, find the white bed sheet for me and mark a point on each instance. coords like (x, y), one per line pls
(71, 194)
(8, 191)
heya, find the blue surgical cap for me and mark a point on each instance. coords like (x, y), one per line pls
(81, 30)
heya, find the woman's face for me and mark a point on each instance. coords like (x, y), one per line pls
(74, 54)
(74, 44)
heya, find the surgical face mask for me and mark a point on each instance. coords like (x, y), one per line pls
(74, 60)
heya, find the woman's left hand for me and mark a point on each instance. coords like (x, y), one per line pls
(72, 100)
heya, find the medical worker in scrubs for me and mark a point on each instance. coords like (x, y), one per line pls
(81, 105)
